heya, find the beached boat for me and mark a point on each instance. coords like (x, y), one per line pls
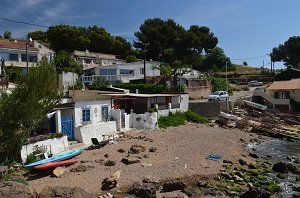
(255, 105)
(51, 165)
(59, 157)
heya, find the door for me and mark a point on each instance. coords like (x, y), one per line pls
(67, 126)
(104, 112)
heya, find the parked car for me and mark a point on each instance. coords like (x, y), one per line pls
(218, 96)
(255, 83)
(235, 82)
(259, 89)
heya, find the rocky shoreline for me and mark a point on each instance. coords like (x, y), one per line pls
(241, 173)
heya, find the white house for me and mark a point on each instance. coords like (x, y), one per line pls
(122, 72)
(14, 53)
(90, 60)
(92, 114)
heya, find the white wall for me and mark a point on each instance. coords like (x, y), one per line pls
(66, 80)
(116, 116)
(144, 121)
(85, 133)
(184, 104)
(54, 146)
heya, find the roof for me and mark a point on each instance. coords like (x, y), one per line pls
(142, 95)
(284, 85)
(20, 45)
(95, 55)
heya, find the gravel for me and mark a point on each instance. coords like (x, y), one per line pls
(181, 153)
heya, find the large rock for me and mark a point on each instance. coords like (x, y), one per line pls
(136, 149)
(63, 192)
(256, 193)
(111, 181)
(253, 155)
(110, 163)
(242, 162)
(280, 167)
(14, 189)
(59, 171)
(143, 191)
(173, 185)
(293, 168)
(129, 161)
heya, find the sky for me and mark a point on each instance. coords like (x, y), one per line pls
(247, 30)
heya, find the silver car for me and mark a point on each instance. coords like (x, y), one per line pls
(255, 83)
(218, 96)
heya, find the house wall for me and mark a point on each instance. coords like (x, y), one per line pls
(43, 51)
(198, 92)
(116, 115)
(54, 146)
(67, 80)
(210, 109)
(85, 133)
(184, 104)
(144, 121)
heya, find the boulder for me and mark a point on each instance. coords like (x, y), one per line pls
(110, 163)
(173, 185)
(111, 181)
(79, 168)
(144, 191)
(9, 189)
(211, 191)
(152, 149)
(146, 156)
(59, 171)
(254, 192)
(63, 192)
(121, 150)
(255, 156)
(242, 162)
(136, 149)
(129, 161)
(202, 183)
(227, 162)
(293, 168)
(106, 155)
(280, 167)
(3, 170)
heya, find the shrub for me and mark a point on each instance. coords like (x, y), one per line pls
(295, 105)
(152, 110)
(220, 84)
(179, 118)
(30, 159)
(194, 117)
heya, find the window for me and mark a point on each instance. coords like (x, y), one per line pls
(13, 57)
(87, 61)
(142, 71)
(33, 58)
(106, 72)
(86, 115)
(126, 72)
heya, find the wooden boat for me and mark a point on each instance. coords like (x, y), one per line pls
(256, 106)
(59, 157)
(51, 165)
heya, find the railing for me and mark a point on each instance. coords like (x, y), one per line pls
(93, 78)
(163, 106)
(175, 106)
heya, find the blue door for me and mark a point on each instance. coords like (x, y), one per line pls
(67, 126)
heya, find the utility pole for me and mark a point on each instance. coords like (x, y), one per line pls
(144, 56)
(226, 71)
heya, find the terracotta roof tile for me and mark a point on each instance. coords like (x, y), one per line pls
(16, 45)
(284, 85)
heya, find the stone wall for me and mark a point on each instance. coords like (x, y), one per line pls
(144, 121)
(210, 109)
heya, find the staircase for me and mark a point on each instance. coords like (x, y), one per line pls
(76, 145)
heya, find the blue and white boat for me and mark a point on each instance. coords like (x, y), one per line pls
(59, 157)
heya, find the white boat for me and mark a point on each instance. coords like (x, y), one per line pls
(255, 105)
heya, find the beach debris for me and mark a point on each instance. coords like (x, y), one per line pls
(59, 171)
(121, 150)
(62, 192)
(106, 155)
(176, 158)
(146, 165)
(84, 161)
(111, 181)
(146, 156)
(130, 160)
(214, 157)
(253, 155)
(100, 161)
(149, 179)
(106, 195)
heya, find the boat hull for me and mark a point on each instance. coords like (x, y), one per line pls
(60, 157)
(52, 165)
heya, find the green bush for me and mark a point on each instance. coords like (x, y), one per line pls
(220, 84)
(30, 159)
(174, 119)
(152, 110)
(179, 118)
(194, 117)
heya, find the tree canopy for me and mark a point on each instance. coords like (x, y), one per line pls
(64, 62)
(7, 35)
(289, 52)
(23, 109)
(93, 38)
(168, 41)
